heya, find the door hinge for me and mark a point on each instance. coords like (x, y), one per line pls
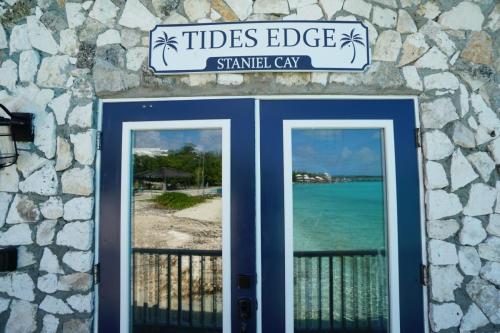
(418, 141)
(97, 273)
(99, 140)
(424, 277)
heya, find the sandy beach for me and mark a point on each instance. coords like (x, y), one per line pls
(198, 227)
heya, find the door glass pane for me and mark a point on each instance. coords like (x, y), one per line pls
(176, 231)
(339, 231)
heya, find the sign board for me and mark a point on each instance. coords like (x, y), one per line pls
(259, 46)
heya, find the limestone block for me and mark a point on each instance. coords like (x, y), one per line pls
(442, 253)
(8, 74)
(53, 72)
(78, 181)
(473, 319)
(358, 7)
(330, 7)
(482, 163)
(68, 43)
(242, 8)
(22, 210)
(464, 100)
(74, 14)
(50, 324)
(461, 171)
(81, 116)
(472, 232)
(479, 48)
(443, 316)
(104, 11)
(469, 260)
(292, 79)
(438, 113)
(433, 59)
(5, 200)
(494, 18)
(16, 235)
(388, 45)
(77, 235)
(445, 81)
(75, 282)
(77, 325)
(414, 47)
(3, 38)
(45, 232)
(136, 57)
(81, 303)
(228, 79)
(481, 200)
(79, 261)
(442, 229)
(4, 304)
(136, 15)
(40, 37)
(384, 17)
(47, 283)
(84, 146)
(310, 12)
(493, 227)
(491, 272)
(110, 36)
(43, 182)
(60, 106)
(494, 148)
(55, 305)
(79, 209)
(28, 162)
(28, 65)
(9, 179)
(444, 281)
(436, 145)
(487, 297)
(489, 123)
(64, 154)
(19, 39)
(50, 263)
(435, 176)
(490, 249)
(22, 317)
(405, 23)
(465, 16)
(195, 80)
(463, 136)
(45, 133)
(429, 10)
(294, 4)
(441, 204)
(278, 7)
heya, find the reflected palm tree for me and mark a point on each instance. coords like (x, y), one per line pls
(167, 43)
(351, 39)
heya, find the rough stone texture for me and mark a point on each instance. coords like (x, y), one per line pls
(442, 229)
(446, 280)
(461, 171)
(481, 200)
(441, 204)
(472, 232)
(49, 262)
(22, 210)
(79, 261)
(438, 113)
(64, 154)
(494, 224)
(487, 297)
(78, 209)
(469, 260)
(464, 16)
(414, 47)
(53, 72)
(43, 181)
(22, 317)
(77, 235)
(483, 163)
(78, 181)
(443, 316)
(473, 319)
(54, 305)
(490, 249)
(136, 15)
(436, 145)
(491, 272)
(45, 232)
(435, 176)
(50, 324)
(463, 136)
(479, 49)
(28, 65)
(84, 146)
(388, 45)
(81, 303)
(442, 253)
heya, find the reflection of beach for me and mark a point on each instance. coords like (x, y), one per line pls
(198, 227)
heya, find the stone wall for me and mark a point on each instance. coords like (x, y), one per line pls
(57, 57)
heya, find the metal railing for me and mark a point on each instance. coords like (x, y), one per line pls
(334, 291)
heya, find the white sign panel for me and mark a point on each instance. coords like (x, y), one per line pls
(259, 46)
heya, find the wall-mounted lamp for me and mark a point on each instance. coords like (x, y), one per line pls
(13, 126)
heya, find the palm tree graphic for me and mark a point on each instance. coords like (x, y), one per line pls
(167, 43)
(351, 39)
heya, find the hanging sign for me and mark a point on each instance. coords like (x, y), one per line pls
(259, 46)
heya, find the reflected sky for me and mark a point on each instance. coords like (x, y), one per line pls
(204, 139)
(340, 152)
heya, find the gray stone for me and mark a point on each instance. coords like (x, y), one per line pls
(16, 235)
(489, 123)
(25, 257)
(130, 37)
(473, 319)
(482, 163)
(433, 59)
(22, 210)
(60, 106)
(81, 303)
(414, 47)
(442, 253)
(75, 282)
(4, 304)
(472, 232)
(53, 72)
(405, 23)
(45, 133)
(28, 65)
(77, 326)
(74, 14)
(237, 79)
(493, 227)
(461, 171)
(9, 179)
(481, 200)
(5, 200)
(47, 283)
(487, 297)
(491, 272)
(330, 7)
(442, 229)
(68, 43)
(358, 7)
(50, 324)
(429, 10)
(494, 148)
(55, 305)
(78, 181)
(45, 232)
(64, 154)
(108, 78)
(77, 235)
(110, 36)
(490, 249)
(388, 45)
(40, 37)
(444, 281)
(22, 317)
(445, 80)
(384, 17)
(464, 16)
(19, 39)
(442, 204)
(79, 261)
(50, 263)
(469, 260)
(8, 74)
(84, 146)
(494, 18)
(18, 285)
(81, 116)
(436, 145)
(28, 162)
(43, 182)
(3, 39)
(136, 15)
(463, 136)
(464, 100)
(79, 209)
(438, 113)
(435, 176)
(443, 316)
(412, 78)
(104, 11)
(279, 7)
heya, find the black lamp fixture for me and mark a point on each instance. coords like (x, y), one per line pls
(13, 126)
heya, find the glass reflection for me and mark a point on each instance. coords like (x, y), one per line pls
(176, 262)
(339, 231)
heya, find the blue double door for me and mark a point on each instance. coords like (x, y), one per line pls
(245, 215)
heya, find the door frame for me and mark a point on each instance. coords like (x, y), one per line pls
(258, 235)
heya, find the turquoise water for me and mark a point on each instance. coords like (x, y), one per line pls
(338, 216)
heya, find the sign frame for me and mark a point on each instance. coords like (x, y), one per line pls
(288, 70)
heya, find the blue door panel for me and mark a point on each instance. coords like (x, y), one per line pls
(241, 114)
(401, 111)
